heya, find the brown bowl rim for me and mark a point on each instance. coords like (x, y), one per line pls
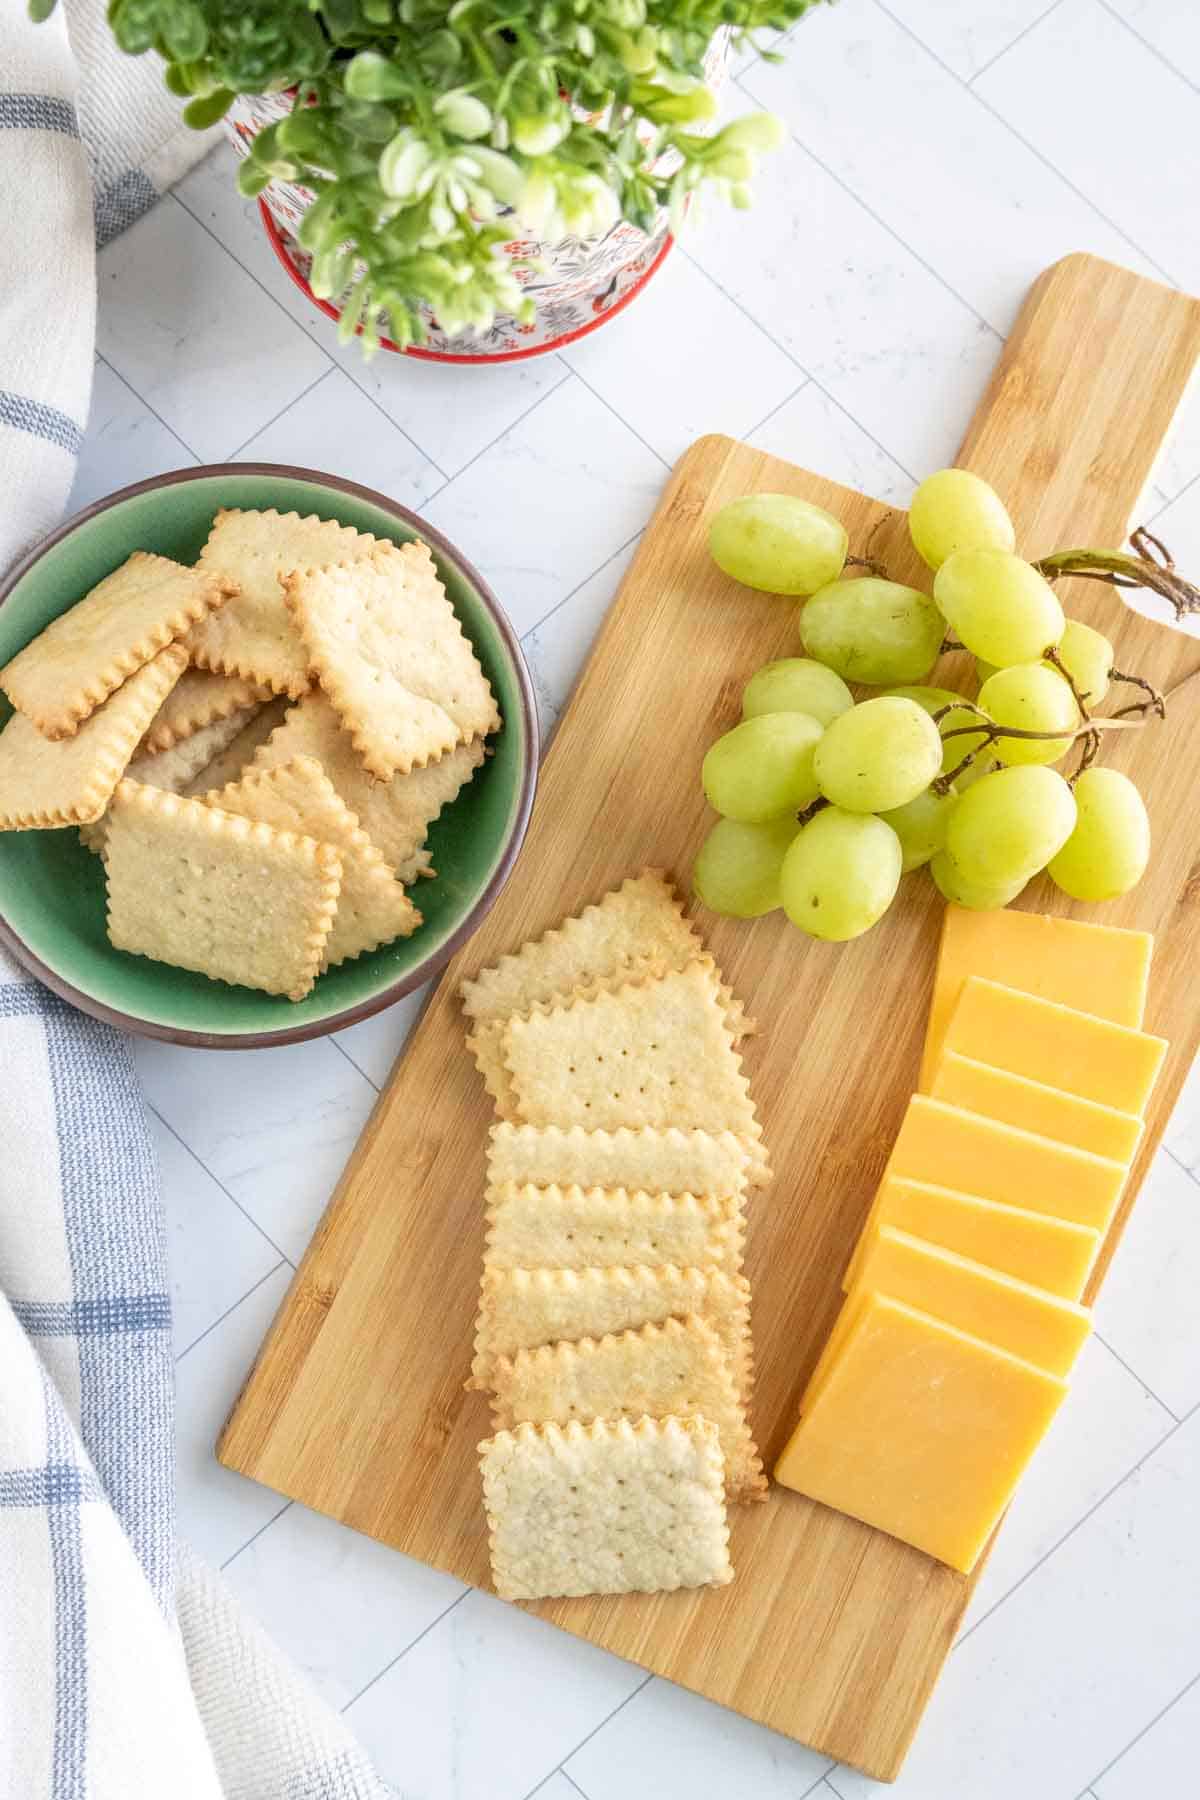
(437, 959)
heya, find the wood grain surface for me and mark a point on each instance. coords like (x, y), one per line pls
(832, 1632)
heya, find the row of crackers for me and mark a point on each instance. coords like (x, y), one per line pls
(614, 1329)
(310, 684)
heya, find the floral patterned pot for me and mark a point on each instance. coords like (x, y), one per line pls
(577, 285)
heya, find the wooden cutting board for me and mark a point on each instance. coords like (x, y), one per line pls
(832, 1632)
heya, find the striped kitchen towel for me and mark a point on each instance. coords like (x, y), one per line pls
(89, 138)
(127, 1671)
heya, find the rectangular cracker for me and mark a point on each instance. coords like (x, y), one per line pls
(45, 783)
(579, 1228)
(231, 763)
(655, 1052)
(255, 638)
(676, 1369)
(85, 654)
(396, 815)
(199, 699)
(657, 1162)
(486, 1043)
(297, 796)
(233, 899)
(392, 656)
(521, 1309)
(606, 1508)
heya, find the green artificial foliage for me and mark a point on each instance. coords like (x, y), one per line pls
(418, 125)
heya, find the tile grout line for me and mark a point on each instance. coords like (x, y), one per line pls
(1079, 1523)
(1033, 24)
(1155, 52)
(513, 423)
(1140, 1379)
(1181, 1166)
(1149, 1726)
(282, 413)
(572, 1782)
(232, 1198)
(142, 401)
(209, 1329)
(598, 570)
(1188, 485)
(619, 417)
(254, 1537)
(778, 408)
(559, 1767)
(310, 334)
(809, 378)
(824, 1780)
(400, 1654)
(1031, 147)
(333, 1040)
(878, 218)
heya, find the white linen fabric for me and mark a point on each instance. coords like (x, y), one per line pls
(127, 1671)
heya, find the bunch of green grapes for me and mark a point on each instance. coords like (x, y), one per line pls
(826, 802)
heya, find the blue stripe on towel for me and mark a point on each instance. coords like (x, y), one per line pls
(123, 201)
(37, 112)
(40, 420)
(103, 1317)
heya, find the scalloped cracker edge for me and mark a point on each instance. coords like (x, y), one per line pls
(578, 1228)
(676, 1369)
(654, 1052)
(46, 783)
(87, 652)
(708, 1164)
(174, 770)
(391, 654)
(396, 815)
(255, 638)
(522, 1309)
(608, 1508)
(297, 796)
(228, 897)
(200, 698)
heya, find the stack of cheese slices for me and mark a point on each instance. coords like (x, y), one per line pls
(963, 1319)
(614, 1329)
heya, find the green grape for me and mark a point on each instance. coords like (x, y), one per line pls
(763, 768)
(841, 874)
(873, 630)
(999, 607)
(1087, 656)
(777, 543)
(933, 700)
(878, 756)
(974, 895)
(737, 870)
(1009, 824)
(796, 684)
(955, 510)
(920, 824)
(983, 670)
(1030, 697)
(1108, 850)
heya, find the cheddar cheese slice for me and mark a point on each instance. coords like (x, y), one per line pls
(1112, 1064)
(1051, 1253)
(951, 1148)
(1013, 1315)
(1035, 1106)
(1100, 969)
(920, 1430)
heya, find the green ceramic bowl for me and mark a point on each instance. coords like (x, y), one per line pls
(52, 889)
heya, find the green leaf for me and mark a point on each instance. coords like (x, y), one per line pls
(184, 32)
(208, 110)
(252, 180)
(40, 10)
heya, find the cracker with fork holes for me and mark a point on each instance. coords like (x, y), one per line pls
(606, 1508)
(392, 656)
(230, 898)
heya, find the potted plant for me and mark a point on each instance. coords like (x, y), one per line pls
(433, 160)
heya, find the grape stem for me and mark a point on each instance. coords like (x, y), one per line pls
(1051, 656)
(988, 732)
(869, 564)
(1150, 566)
(1091, 748)
(812, 809)
(1155, 701)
